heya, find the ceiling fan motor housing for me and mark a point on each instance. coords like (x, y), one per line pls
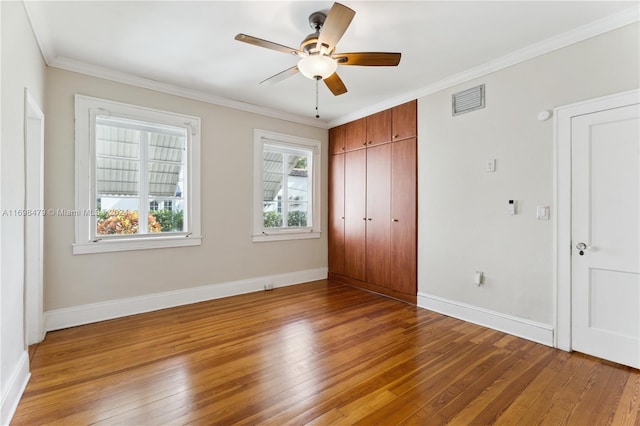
(316, 20)
(310, 44)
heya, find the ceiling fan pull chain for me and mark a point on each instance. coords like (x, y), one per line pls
(317, 82)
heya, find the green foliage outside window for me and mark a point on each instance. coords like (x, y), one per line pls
(171, 221)
(295, 218)
(272, 220)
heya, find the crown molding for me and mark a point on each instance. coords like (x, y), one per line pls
(171, 89)
(593, 29)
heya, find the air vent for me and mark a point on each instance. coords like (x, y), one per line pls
(468, 100)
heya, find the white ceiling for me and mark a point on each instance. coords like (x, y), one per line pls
(188, 48)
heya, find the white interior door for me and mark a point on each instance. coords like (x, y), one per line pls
(605, 232)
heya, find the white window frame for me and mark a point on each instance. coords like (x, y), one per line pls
(260, 233)
(86, 109)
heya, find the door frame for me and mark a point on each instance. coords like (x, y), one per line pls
(34, 223)
(562, 206)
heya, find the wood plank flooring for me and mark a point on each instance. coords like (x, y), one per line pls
(319, 353)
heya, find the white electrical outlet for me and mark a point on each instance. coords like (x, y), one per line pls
(491, 165)
(268, 287)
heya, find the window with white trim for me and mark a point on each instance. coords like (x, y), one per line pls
(132, 163)
(286, 187)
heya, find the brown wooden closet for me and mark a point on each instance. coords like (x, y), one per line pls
(373, 202)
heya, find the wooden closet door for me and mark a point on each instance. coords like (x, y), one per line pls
(336, 214)
(404, 120)
(336, 139)
(355, 134)
(379, 128)
(378, 214)
(355, 173)
(404, 216)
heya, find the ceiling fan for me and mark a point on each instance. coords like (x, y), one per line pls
(318, 59)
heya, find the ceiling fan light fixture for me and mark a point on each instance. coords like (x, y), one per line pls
(314, 66)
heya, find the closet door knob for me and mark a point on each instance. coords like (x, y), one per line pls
(394, 220)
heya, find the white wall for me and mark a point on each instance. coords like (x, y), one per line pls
(463, 220)
(227, 254)
(22, 67)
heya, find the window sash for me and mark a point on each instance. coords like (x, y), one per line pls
(143, 197)
(285, 201)
(286, 145)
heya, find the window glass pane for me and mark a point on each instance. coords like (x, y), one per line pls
(166, 158)
(122, 145)
(286, 186)
(298, 191)
(165, 218)
(273, 173)
(117, 176)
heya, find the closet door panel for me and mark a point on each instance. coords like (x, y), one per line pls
(378, 214)
(404, 120)
(336, 139)
(404, 216)
(336, 214)
(379, 128)
(355, 134)
(355, 172)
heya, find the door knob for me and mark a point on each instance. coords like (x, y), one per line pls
(581, 248)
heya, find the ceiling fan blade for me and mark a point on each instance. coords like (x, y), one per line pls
(369, 59)
(335, 25)
(266, 44)
(281, 75)
(335, 84)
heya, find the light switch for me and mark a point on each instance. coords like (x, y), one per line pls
(491, 165)
(542, 213)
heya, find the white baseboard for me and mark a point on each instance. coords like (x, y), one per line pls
(527, 329)
(14, 390)
(78, 315)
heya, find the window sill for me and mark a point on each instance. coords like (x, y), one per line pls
(105, 246)
(284, 235)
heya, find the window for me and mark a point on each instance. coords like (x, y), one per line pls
(286, 187)
(137, 177)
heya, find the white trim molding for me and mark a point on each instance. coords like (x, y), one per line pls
(34, 224)
(15, 388)
(85, 314)
(520, 327)
(562, 206)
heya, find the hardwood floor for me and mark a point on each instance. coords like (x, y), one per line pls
(317, 353)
